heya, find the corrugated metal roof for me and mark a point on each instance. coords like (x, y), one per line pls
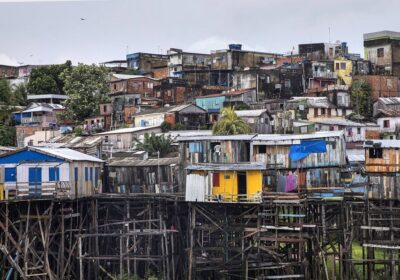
(283, 137)
(344, 122)
(148, 162)
(228, 166)
(67, 154)
(382, 144)
(230, 93)
(250, 113)
(313, 102)
(388, 113)
(127, 77)
(356, 155)
(128, 130)
(389, 100)
(240, 137)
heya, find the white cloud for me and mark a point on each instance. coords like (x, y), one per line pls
(219, 43)
(6, 60)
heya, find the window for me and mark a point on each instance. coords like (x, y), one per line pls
(358, 130)
(287, 83)
(86, 174)
(91, 174)
(10, 174)
(375, 153)
(380, 52)
(343, 66)
(333, 144)
(386, 123)
(323, 111)
(216, 180)
(262, 149)
(118, 138)
(54, 174)
(105, 108)
(115, 86)
(106, 139)
(331, 128)
(227, 177)
(349, 131)
(76, 174)
(337, 66)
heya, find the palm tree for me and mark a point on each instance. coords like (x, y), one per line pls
(153, 144)
(230, 123)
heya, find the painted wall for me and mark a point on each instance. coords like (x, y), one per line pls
(344, 69)
(211, 103)
(393, 122)
(149, 120)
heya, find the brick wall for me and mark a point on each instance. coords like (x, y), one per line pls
(382, 86)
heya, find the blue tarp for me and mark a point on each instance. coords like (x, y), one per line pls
(302, 150)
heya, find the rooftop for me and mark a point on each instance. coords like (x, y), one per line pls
(382, 34)
(47, 96)
(228, 166)
(128, 130)
(389, 100)
(148, 162)
(313, 102)
(344, 122)
(230, 93)
(382, 143)
(66, 153)
(250, 113)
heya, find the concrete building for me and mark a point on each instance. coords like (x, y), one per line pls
(382, 49)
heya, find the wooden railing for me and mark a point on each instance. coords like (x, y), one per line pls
(38, 190)
(250, 198)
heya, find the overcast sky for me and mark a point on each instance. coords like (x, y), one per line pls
(51, 31)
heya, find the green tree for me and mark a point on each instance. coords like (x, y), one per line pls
(47, 79)
(19, 95)
(153, 143)
(86, 87)
(7, 135)
(361, 98)
(230, 123)
(5, 92)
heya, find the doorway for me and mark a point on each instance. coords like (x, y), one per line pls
(242, 184)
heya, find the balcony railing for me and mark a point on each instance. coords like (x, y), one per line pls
(38, 190)
(326, 75)
(43, 120)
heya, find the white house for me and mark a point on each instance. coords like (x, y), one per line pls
(388, 121)
(353, 131)
(49, 172)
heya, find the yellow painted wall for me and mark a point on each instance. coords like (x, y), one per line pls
(228, 186)
(254, 182)
(1, 191)
(345, 74)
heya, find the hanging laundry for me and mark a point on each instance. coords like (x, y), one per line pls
(281, 183)
(291, 182)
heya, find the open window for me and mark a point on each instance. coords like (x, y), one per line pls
(375, 153)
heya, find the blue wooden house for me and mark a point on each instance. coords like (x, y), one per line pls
(34, 172)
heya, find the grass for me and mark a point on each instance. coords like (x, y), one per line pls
(357, 254)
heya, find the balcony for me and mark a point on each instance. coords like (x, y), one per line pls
(39, 190)
(324, 75)
(44, 121)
